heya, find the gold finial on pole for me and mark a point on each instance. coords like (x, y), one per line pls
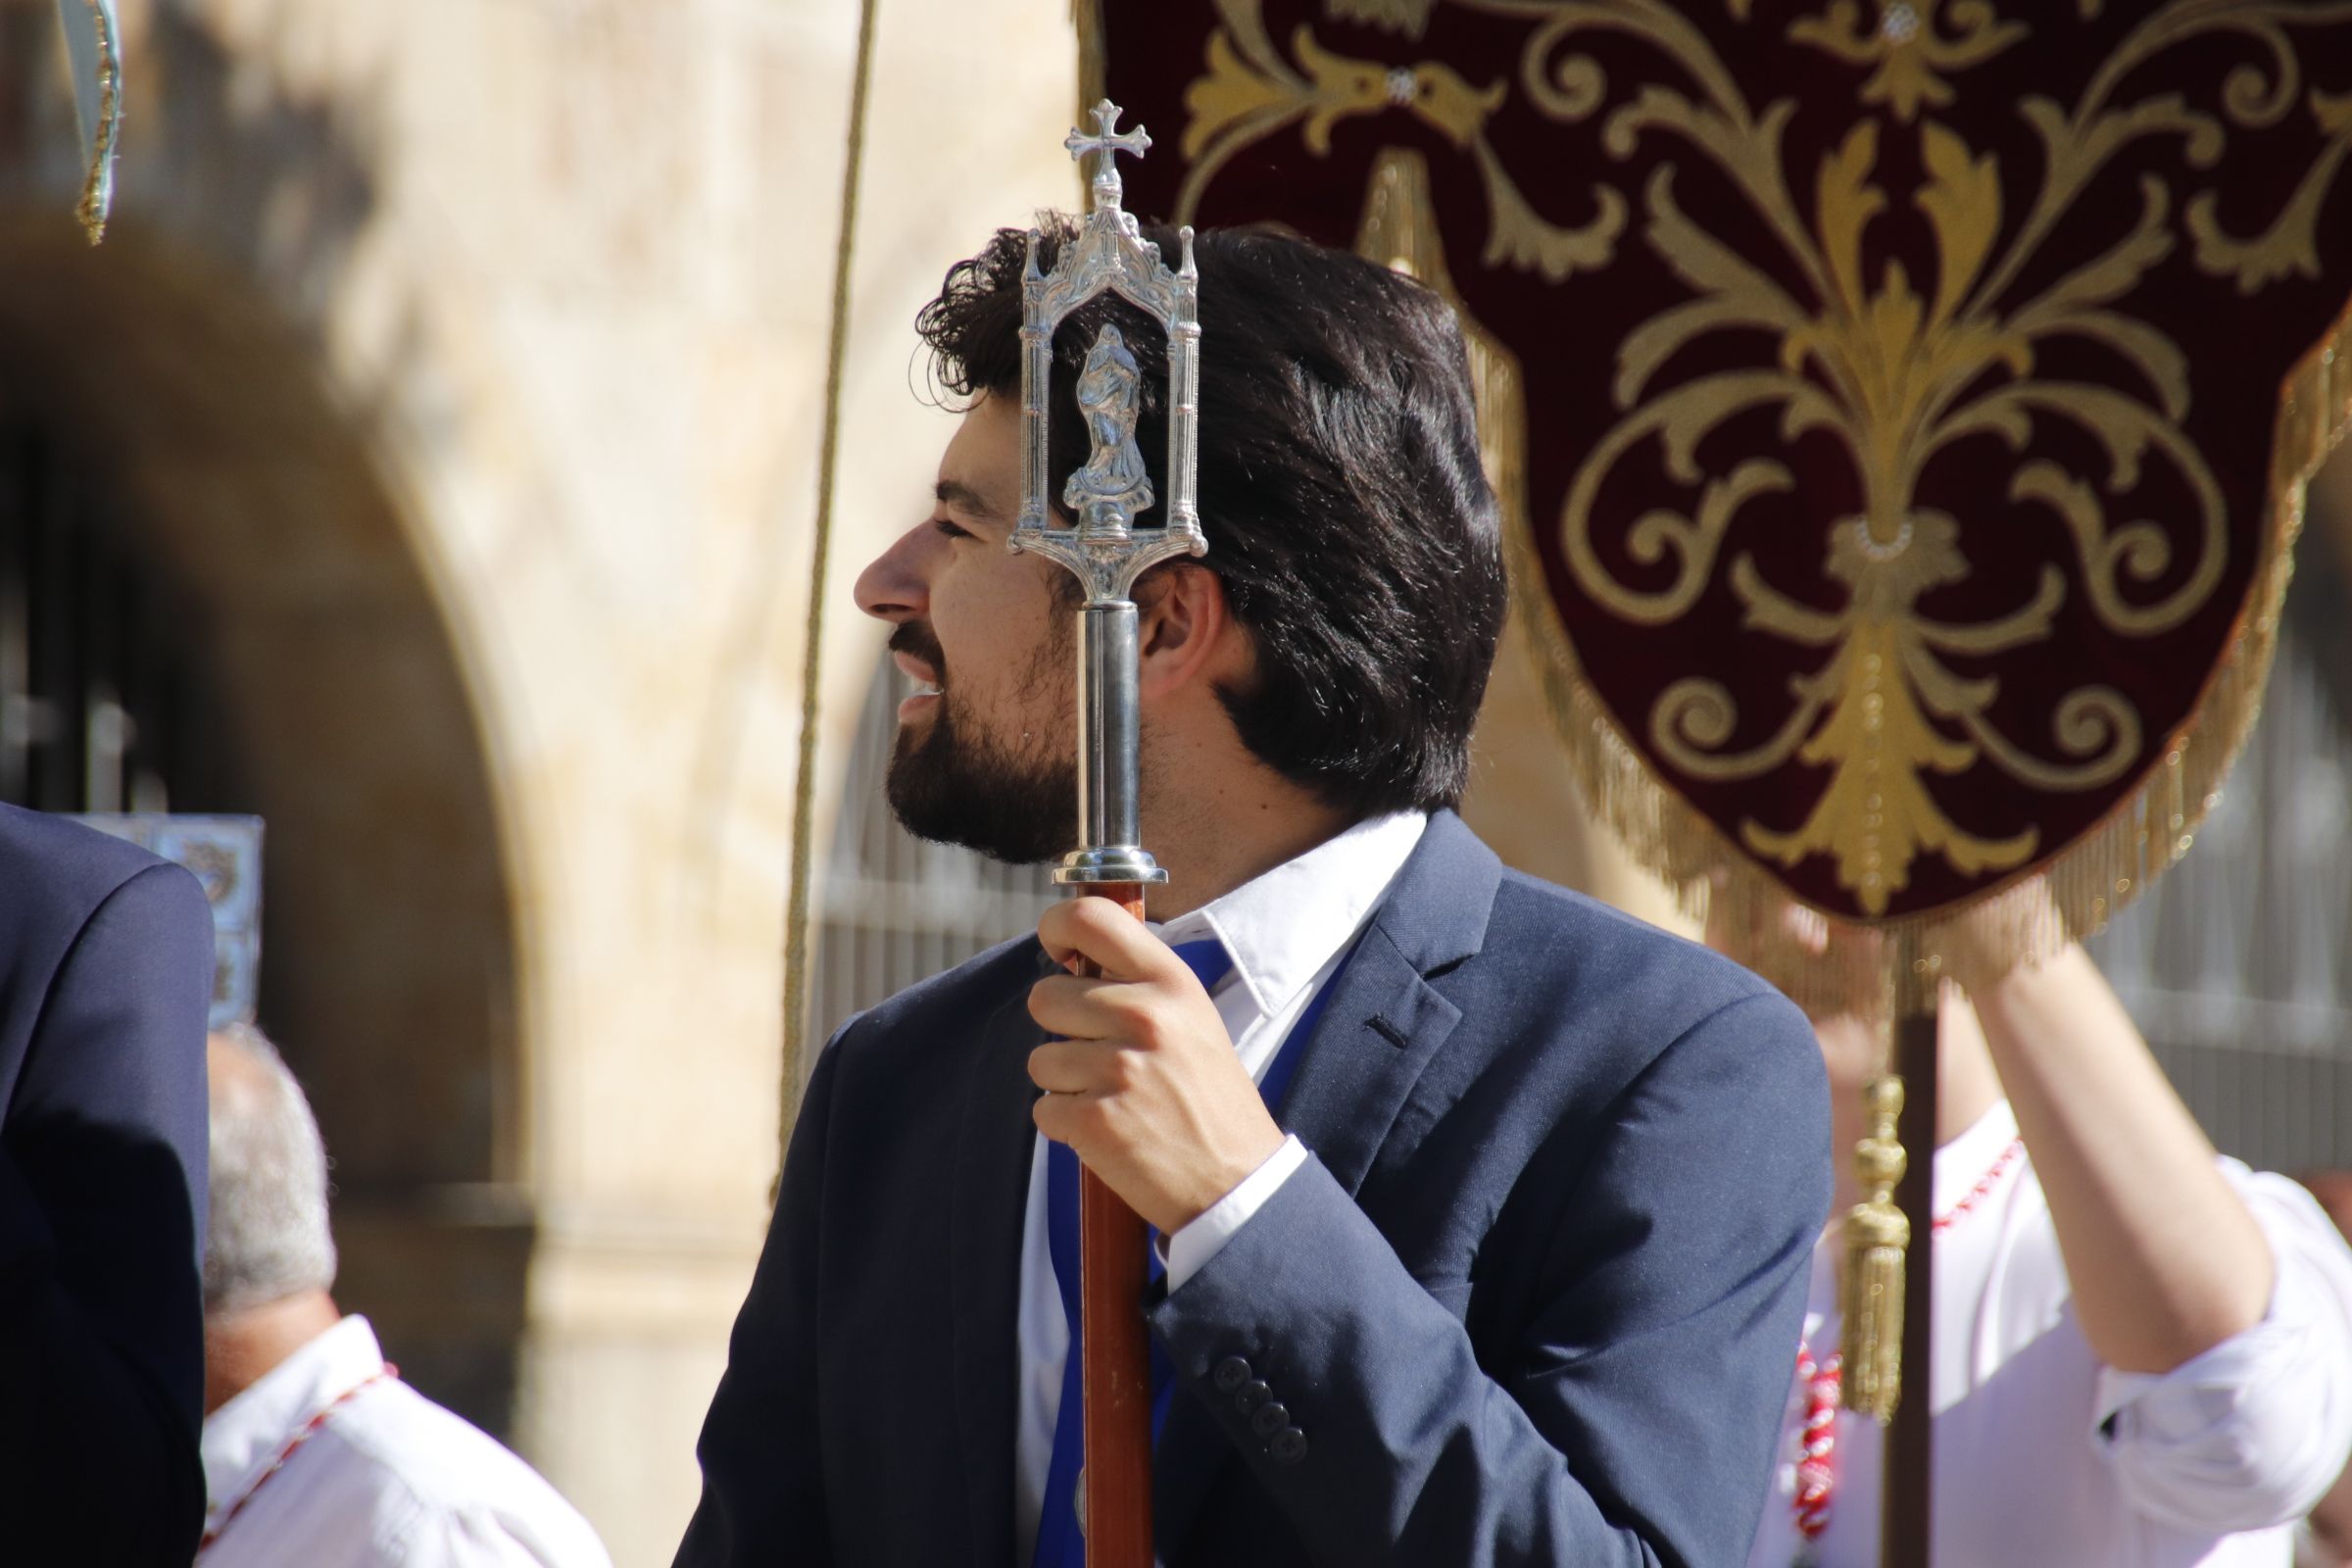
(93, 48)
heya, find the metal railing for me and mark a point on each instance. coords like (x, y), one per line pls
(96, 690)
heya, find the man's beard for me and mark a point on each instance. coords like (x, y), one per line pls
(961, 785)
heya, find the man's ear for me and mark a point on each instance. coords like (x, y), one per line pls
(1186, 629)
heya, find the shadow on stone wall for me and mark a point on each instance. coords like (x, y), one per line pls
(178, 367)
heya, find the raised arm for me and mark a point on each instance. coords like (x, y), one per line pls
(2164, 1258)
(2217, 1299)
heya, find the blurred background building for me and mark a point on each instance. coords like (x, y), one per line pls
(428, 464)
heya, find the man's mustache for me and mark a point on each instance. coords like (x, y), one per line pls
(914, 639)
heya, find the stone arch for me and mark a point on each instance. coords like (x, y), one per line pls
(344, 718)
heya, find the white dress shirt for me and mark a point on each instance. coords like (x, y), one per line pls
(389, 1477)
(1286, 932)
(2042, 1456)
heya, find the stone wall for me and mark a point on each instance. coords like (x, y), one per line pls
(463, 360)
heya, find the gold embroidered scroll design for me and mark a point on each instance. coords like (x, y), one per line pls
(1408, 16)
(1894, 374)
(1909, 46)
(1897, 376)
(1250, 91)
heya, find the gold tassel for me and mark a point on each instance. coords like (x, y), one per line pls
(1877, 1236)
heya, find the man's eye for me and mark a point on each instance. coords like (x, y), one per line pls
(950, 530)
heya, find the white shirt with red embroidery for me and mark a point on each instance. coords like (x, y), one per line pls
(389, 1477)
(2042, 1456)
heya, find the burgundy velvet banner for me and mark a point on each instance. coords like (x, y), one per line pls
(1907, 483)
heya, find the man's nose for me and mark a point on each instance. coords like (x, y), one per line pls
(893, 587)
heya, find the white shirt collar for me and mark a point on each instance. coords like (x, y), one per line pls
(245, 1435)
(1282, 926)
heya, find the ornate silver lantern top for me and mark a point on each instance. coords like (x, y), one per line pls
(1103, 547)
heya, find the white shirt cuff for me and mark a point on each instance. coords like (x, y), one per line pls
(1190, 1249)
(2251, 1433)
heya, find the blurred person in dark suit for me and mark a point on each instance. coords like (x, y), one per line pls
(106, 964)
(315, 1454)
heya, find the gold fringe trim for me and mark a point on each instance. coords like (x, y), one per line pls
(803, 790)
(90, 211)
(1827, 963)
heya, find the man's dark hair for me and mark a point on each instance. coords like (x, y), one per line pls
(1347, 517)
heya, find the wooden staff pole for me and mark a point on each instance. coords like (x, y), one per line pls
(1115, 1369)
(1114, 1344)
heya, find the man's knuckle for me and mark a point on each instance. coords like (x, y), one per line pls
(1149, 1028)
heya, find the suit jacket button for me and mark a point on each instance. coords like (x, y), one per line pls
(1230, 1374)
(1249, 1395)
(1270, 1419)
(1289, 1446)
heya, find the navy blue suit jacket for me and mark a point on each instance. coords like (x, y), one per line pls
(105, 973)
(1535, 1300)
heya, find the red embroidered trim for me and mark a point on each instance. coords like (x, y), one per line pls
(1817, 1443)
(1984, 1185)
(310, 1429)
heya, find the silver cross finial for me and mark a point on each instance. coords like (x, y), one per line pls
(1108, 144)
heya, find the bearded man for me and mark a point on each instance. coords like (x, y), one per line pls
(1485, 1211)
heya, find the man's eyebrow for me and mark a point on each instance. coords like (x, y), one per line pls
(966, 499)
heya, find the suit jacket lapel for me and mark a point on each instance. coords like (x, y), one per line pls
(987, 1200)
(1385, 1020)
(1383, 1025)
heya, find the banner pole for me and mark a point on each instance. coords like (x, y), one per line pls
(1907, 1520)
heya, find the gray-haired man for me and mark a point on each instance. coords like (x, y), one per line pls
(315, 1452)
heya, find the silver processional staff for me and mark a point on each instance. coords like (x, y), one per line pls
(1106, 552)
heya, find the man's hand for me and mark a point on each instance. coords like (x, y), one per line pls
(1144, 1084)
